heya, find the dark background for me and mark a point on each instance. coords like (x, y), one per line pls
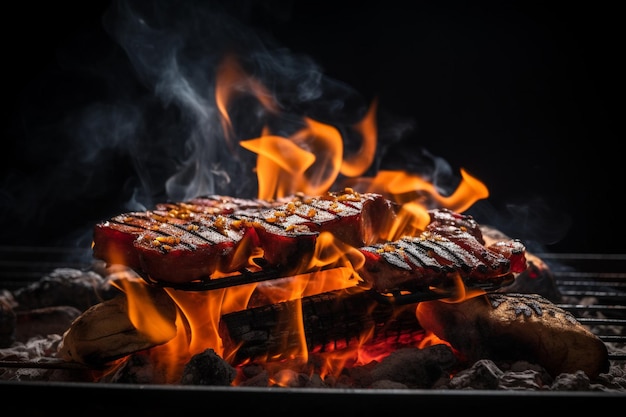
(523, 95)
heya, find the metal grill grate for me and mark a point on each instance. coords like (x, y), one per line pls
(592, 286)
(593, 289)
(22, 265)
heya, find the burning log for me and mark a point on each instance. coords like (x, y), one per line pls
(514, 327)
(331, 321)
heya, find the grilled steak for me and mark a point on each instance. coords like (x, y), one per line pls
(288, 233)
(450, 247)
(213, 235)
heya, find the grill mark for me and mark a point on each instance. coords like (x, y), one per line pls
(139, 226)
(344, 209)
(197, 234)
(392, 257)
(277, 227)
(157, 231)
(466, 260)
(490, 259)
(208, 223)
(396, 259)
(431, 247)
(319, 206)
(148, 229)
(420, 255)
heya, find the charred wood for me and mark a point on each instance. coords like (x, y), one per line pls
(332, 320)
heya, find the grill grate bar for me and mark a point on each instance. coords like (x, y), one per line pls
(569, 257)
(598, 322)
(599, 294)
(613, 339)
(595, 307)
(602, 276)
(595, 276)
(597, 282)
(23, 265)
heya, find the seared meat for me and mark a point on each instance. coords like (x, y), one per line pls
(213, 236)
(450, 247)
(169, 248)
(442, 219)
(288, 233)
(182, 242)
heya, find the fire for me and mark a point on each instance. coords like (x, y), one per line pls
(310, 160)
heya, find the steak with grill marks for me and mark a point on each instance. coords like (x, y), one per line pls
(450, 247)
(208, 236)
(213, 236)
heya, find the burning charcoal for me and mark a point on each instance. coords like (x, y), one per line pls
(361, 376)
(135, 369)
(416, 368)
(261, 379)
(516, 327)
(251, 370)
(65, 286)
(614, 379)
(44, 321)
(484, 374)
(578, 381)
(386, 384)
(290, 379)
(208, 368)
(35, 348)
(315, 381)
(528, 379)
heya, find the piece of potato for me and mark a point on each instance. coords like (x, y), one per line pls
(516, 327)
(105, 331)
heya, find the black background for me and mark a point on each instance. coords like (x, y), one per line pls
(523, 95)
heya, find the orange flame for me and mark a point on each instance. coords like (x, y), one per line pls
(309, 161)
(144, 313)
(356, 165)
(231, 80)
